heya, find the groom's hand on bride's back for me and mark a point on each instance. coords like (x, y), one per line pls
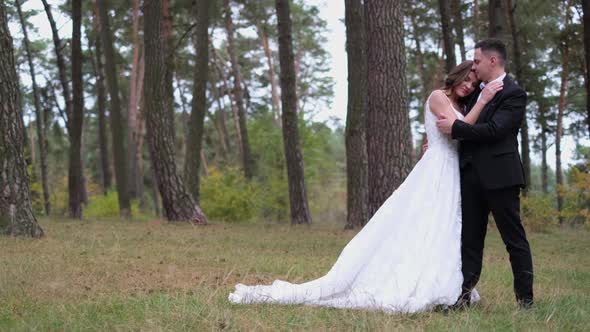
(445, 124)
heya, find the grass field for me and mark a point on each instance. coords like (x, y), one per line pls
(118, 275)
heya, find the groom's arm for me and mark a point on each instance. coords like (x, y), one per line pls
(504, 121)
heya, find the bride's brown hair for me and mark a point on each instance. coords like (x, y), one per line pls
(457, 75)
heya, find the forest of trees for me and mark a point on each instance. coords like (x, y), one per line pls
(204, 110)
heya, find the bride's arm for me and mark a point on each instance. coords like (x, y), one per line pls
(486, 96)
(440, 105)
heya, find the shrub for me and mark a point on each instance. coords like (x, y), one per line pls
(577, 198)
(227, 196)
(538, 212)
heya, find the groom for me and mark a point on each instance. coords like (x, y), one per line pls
(492, 174)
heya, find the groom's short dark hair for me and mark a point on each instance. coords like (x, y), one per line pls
(495, 45)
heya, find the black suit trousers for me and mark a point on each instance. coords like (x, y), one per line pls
(504, 204)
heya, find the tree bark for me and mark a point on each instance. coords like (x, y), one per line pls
(449, 45)
(139, 130)
(497, 20)
(65, 87)
(297, 192)
(524, 129)
(76, 121)
(199, 102)
(272, 77)
(116, 117)
(227, 91)
(169, 49)
(75, 156)
(544, 147)
(39, 121)
(562, 104)
(389, 145)
(219, 119)
(177, 201)
(101, 110)
(586, 20)
(456, 7)
(247, 161)
(133, 162)
(356, 139)
(16, 212)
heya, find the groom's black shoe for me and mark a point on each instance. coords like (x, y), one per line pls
(462, 303)
(525, 303)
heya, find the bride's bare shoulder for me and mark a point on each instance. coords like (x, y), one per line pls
(439, 104)
(437, 96)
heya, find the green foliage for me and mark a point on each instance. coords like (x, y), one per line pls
(324, 162)
(538, 212)
(577, 198)
(227, 196)
(103, 206)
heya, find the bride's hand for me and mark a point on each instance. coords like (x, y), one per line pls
(490, 91)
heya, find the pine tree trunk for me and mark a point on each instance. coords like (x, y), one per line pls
(75, 181)
(16, 213)
(247, 161)
(457, 9)
(447, 31)
(219, 119)
(356, 139)
(497, 20)
(133, 162)
(102, 121)
(199, 102)
(139, 131)
(227, 91)
(562, 104)
(586, 20)
(476, 20)
(524, 129)
(543, 134)
(116, 116)
(389, 144)
(76, 171)
(297, 192)
(169, 49)
(39, 121)
(177, 201)
(272, 77)
(61, 66)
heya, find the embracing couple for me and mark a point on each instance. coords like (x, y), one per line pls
(423, 248)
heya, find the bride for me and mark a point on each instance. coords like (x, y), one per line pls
(407, 258)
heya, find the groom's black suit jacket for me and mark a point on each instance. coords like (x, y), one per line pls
(491, 144)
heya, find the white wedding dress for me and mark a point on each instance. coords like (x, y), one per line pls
(407, 258)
